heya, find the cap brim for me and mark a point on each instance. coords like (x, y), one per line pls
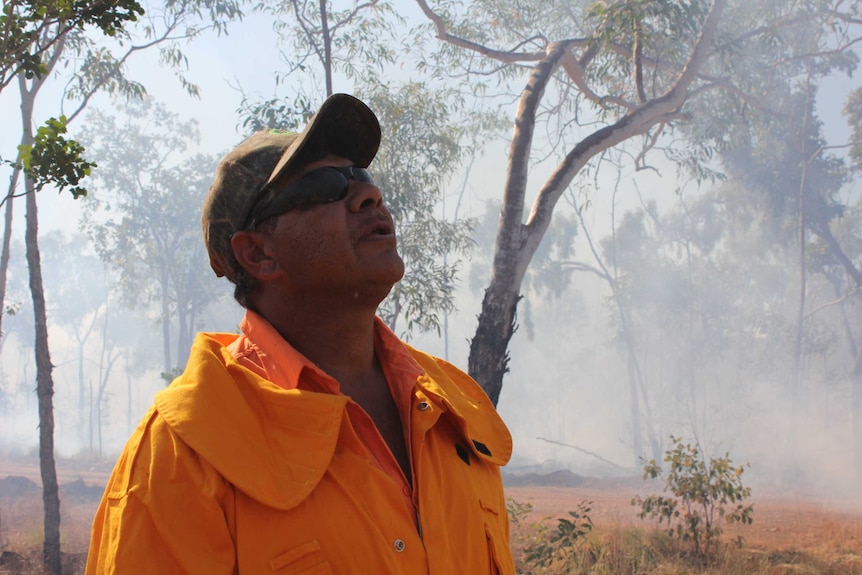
(343, 126)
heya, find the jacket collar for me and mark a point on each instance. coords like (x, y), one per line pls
(275, 444)
(473, 411)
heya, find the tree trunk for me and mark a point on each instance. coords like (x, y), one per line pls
(518, 241)
(44, 391)
(489, 357)
(44, 380)
(856, 415)
(7, 242)
(166, 321)
(327, 46)
(488, 361)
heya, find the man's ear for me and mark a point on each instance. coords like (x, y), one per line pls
(249, 251)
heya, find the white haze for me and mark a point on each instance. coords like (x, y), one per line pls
(567, 383)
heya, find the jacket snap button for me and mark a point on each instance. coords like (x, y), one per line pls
(399, 545)
(423, 406)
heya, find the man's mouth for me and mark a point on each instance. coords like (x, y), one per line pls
(381, 228)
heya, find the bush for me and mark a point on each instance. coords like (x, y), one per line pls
(700, 492)
(560, 547)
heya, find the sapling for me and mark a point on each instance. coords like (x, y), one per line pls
(699, 492)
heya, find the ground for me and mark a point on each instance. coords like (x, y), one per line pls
(785, 523)
(781, 521)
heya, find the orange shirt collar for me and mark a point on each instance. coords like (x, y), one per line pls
(280, 362)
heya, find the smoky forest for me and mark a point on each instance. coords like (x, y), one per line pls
(637, 224)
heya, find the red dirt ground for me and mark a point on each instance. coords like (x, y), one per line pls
(782, 522)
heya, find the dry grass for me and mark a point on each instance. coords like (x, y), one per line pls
(21, 534)
(625, 549)
(789, 536)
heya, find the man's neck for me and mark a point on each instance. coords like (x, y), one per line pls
(339, 341)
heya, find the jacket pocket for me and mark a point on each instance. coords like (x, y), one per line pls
(301, 560)
(497, 537)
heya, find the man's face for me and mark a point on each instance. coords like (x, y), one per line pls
(346, 248)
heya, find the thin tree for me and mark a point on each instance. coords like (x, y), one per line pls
(621, 72)
(142, 217)
(33, 38)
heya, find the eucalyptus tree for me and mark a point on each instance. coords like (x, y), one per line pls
(33, 36)
(777, 151)
(143, 216)
(319, 41)
(420, 151)
(427, 134)
(29, 29)
(594, 75)
(76, 297)
(848, 233)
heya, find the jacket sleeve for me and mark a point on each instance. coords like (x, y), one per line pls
(164, 511)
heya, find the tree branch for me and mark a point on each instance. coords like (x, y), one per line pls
(519, 152)
(843, 298)
(504, 56)
(638, 121)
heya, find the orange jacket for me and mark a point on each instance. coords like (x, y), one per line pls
(229, 473)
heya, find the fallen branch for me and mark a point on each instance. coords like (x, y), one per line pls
(596, 455)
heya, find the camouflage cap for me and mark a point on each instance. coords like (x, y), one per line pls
(259, 166)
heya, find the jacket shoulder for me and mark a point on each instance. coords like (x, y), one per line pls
(468, 402)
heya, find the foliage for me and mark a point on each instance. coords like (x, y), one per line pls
(853, 113)
(560, 546)
(619, 548)
(62, 39)
(699, 491)
(143, 218)
(29, 28)
(517, 511)
(54, 160)
(422, 147)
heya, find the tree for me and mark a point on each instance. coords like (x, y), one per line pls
(427, 135)
(143, 217)
(30, 30)
(852, 232)
(322, 40)
(420, 150)
(45, 145)
(600, 75)
(699, 491)
(76, 300)
(33, 37)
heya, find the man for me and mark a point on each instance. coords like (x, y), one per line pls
(315, 441)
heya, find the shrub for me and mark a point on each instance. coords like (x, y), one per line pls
(560, 547)
(700, 492)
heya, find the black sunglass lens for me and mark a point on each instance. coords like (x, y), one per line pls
(321, 186)
(362, 175)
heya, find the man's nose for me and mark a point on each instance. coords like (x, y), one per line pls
(363, 195)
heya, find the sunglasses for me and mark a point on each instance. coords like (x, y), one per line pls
(321, 186)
